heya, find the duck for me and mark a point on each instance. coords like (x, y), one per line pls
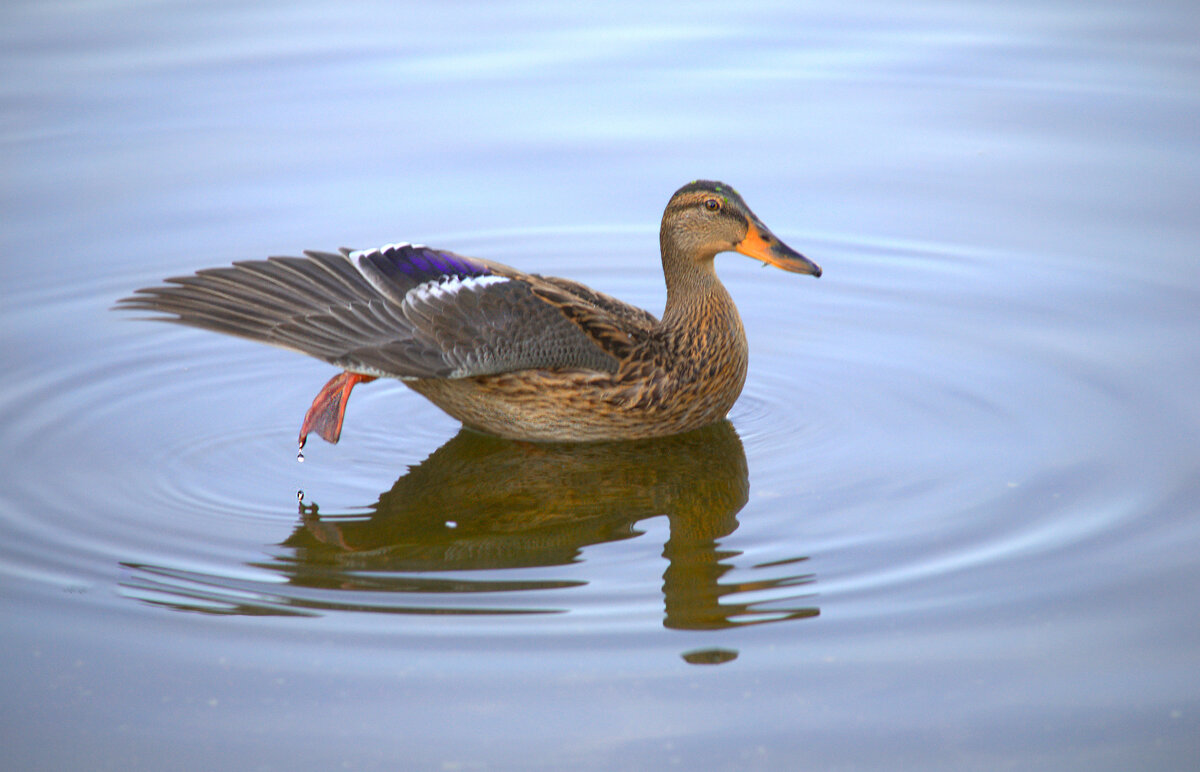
(513, 354)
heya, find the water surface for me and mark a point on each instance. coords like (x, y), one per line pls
(951, 523)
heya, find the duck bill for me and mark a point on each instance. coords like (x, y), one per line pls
(763, 245)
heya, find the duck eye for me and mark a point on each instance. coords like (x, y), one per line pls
(712, 204)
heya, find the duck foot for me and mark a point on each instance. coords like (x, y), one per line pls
(329, 407)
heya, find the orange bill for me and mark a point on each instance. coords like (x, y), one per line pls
(763, 245)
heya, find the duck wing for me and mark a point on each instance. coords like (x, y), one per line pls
(402, 310)
(611, 324)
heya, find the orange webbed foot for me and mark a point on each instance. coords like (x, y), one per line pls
(329, 407)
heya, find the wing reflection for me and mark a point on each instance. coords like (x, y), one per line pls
(486, 505)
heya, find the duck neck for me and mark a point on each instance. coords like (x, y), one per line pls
(693, 288)
(702, 329)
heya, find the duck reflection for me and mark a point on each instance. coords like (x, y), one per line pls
(480, 502)
(438, 542)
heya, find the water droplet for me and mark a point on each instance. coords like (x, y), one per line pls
(300, 495)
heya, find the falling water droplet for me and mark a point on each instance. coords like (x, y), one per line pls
(300, 495)
(300, 455)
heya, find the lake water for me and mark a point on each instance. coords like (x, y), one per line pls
(951, 524)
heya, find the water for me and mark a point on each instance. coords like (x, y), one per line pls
(951, 523)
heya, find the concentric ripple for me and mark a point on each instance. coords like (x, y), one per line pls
(914, 414)
(936, 414)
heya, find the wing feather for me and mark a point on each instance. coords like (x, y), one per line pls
(403, 311)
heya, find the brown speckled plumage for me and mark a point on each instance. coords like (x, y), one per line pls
(513, 354)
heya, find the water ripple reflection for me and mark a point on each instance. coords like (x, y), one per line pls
(482, 504)
(905, 422)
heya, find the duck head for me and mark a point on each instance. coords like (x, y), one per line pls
(705, 218)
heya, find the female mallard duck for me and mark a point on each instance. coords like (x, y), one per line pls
(515, 354)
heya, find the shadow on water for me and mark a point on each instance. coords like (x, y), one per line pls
(480, 503)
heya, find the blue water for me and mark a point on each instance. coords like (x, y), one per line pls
(951, 523)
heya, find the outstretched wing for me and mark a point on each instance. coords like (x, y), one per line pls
(401, 310)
